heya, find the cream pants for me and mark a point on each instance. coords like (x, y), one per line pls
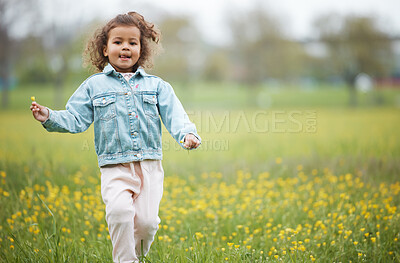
(132, 193)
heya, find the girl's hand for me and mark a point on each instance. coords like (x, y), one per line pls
(191, 142)
(40, 113)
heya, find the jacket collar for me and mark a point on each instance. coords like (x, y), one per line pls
(110, 70)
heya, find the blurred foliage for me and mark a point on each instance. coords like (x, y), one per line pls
(217, 64)
(260, 51)
(181, 43)
(10, 11)
(355, 44)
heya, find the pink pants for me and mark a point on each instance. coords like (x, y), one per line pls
(132, 193)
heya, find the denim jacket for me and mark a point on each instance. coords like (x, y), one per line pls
(126, 116)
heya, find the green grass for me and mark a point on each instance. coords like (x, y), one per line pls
(233, 96)
(307, 178)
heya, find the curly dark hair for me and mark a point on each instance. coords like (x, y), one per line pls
(149, 41)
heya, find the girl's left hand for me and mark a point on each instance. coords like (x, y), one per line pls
(191, 142)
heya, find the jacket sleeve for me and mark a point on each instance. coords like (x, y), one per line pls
(77, 116)
(173, 114)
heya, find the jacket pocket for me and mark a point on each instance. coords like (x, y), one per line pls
(150, 105)
(105, 107)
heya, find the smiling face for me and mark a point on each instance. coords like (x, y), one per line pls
(123, 48)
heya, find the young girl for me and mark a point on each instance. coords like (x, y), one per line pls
(125, 104)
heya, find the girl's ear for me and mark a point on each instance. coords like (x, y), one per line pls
(105, 51)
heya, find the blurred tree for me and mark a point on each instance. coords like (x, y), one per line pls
(260, 49)
(34, 69)
(13, 18)
(356, 45)
(261, 52)
(217, 66)
(181, 59)
(59, 31)
(41, 34)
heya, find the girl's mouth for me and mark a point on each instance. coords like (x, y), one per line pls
(123, 57)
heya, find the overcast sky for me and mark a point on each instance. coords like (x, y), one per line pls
(298, 15)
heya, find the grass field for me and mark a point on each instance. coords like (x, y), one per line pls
(305, 179)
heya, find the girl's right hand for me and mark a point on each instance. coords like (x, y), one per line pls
(40, 113)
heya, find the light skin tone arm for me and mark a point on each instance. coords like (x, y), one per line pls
(41, 113)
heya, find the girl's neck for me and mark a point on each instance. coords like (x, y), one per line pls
(134, 69)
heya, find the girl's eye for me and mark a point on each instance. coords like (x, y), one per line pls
(117, 42)
(133, 43)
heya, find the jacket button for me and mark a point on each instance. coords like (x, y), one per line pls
(139, 155)
(134, 133)
(129, 93)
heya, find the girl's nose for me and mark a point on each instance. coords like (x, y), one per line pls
(125, 46)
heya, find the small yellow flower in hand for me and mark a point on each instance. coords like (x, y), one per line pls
(33, 98)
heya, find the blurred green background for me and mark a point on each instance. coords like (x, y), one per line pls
(265, 102)
(261, 94)
(256, 60)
